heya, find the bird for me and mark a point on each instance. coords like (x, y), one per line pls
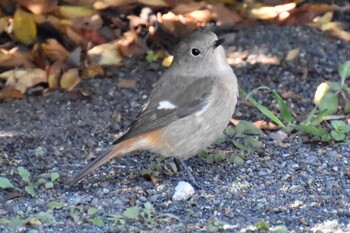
(187, 110)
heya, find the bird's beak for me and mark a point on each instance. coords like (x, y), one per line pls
(218, 42)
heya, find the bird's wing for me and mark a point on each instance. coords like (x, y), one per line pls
(174, 105)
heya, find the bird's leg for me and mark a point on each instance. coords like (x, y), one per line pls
(180, 163)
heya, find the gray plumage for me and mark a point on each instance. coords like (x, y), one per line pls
(190, 105)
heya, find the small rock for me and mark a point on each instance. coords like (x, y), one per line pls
(183, 191)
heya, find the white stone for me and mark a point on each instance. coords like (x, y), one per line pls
(183, 191)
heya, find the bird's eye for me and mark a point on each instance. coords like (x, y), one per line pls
(195, 52)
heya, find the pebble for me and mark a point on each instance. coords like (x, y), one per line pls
(183, 191)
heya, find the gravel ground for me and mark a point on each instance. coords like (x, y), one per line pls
(304, 187)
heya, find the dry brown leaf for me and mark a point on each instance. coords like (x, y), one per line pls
(306, 13)
(24, 27)
(264, 12)
(10, 93)
(201, 16)
(3, 23)
(105, 54)
(76, 37)
(39, 6)
(54, 73)
(184, 8)
(224, 16)
(126, 83)
(14, 58)
(293, 54)
(265, 125)
(131, 45)
(54, 50)
(93, 22)
(21, 79)
(70, 79)
(99, 5)
(234, 121)
(92, 70)
(290, 95)
(177, 25)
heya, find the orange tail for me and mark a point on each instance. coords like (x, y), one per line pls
(115, 151)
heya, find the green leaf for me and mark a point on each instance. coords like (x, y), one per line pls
(30, 190)
(285, 113)
(46, 218)
(229, 131)
(41, 181)
(279, 229)
(240, 145)
(151, 56)
(219, 157)
(221, 139)
(245, 127)
(319, 117)
(203, 154)
(263, 109)
(347, 107)
(335, 86)
(262, 225)
(16, 222)
(24, 174)
(252, 143)
(329, 103)
(337, 136)
(54, 176)
(54, 205)
(310, 115)
(92, 211)
(344, 71)
(237, 159)
(132, 212)
(148, 207)
(210, 159)
(319, 132)
(5, 183)
(340, 126)
(48, 185)
(97, 222)
(34, 221)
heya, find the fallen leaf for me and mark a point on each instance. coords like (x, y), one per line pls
(14, 58)
(131, 45)
(105, 54)
(306, 13)
(39, 7)
(290, 95)
(54, 50)
(224, 17)
(157, 3)
(293, 54)
(10, 93)
(167, 61)
(71, 12)
(321, 91)
(177, 25)
(21, 79)
(24, 27)
(70, 79)
(184, 8)
(202, 16)
(76, 37)
(91, 22)
(126, 83)
(265, 125)
(54, 73)
(264, 12)
(92, 70)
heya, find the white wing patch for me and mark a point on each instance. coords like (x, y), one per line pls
(165, 104)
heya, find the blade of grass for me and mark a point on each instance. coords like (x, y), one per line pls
(264, 110)
(285, 113)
